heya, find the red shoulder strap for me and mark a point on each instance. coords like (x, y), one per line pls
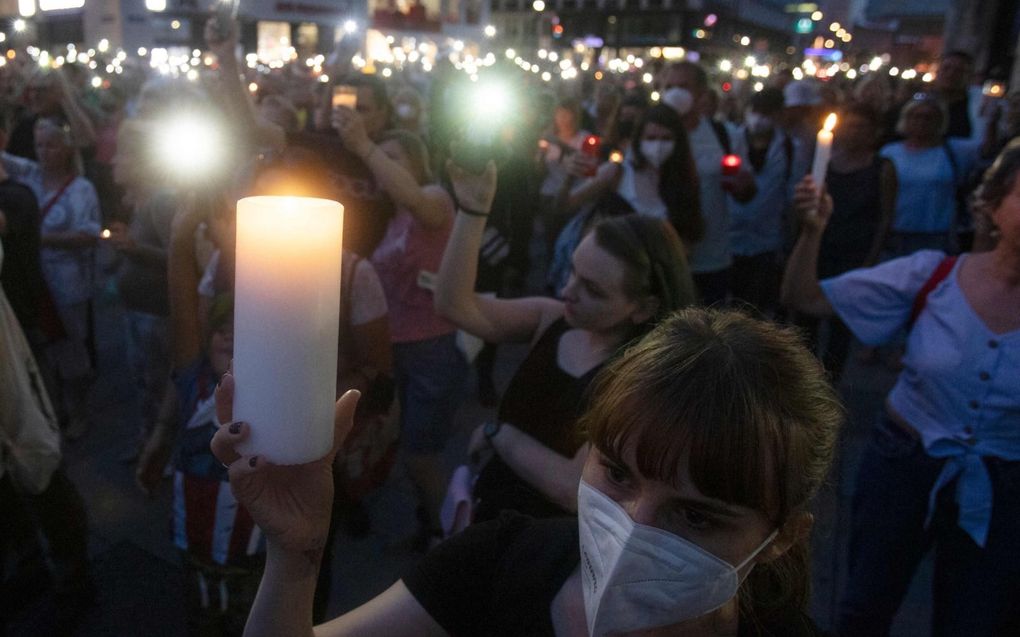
(941, 272)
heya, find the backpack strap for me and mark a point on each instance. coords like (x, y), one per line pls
(938, 276)
(723, 135)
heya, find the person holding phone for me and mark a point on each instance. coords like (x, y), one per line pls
(709, 438)
(429, 369)
(367, 206)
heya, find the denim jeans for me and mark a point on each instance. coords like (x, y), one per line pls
(976, 591)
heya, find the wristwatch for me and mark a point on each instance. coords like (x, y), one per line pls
(490, 429)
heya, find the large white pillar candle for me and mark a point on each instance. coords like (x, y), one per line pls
(823, 151)
(286, 320)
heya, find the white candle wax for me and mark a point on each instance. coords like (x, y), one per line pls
(286, 320)
(823, 151)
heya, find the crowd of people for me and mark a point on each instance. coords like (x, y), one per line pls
(688, 294)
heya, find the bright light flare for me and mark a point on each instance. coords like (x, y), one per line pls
(20, 25)
(189, 146)
(350, 26)
(490, 31)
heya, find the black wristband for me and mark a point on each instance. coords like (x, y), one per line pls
(472, 213)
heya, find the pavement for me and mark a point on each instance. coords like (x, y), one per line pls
(136, 568)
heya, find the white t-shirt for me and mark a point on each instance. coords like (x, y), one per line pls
(640, 188)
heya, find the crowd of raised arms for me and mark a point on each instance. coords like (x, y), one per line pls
(684, 294)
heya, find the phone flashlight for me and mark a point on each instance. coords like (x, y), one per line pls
(346, 96)
(616, 157)
(105, 234)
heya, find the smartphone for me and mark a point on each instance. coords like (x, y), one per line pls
(225, 13)
(346, 96)
(994, 88)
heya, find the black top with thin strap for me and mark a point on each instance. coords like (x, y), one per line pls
(544, 402)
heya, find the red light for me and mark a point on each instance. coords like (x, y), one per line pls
(727, 87)
(730, 164)
(558, 29)
(591, 140)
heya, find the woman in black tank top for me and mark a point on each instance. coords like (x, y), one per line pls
(627, 274)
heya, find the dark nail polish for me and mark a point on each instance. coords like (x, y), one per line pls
(235, 428)
(252, 461)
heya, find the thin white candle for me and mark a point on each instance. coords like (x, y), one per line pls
(286, 319)
(823, 151)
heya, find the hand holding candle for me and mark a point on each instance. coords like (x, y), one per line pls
(287, 309)
(823, 152)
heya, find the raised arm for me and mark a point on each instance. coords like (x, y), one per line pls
(292, 505)
(801, 290)
(573, 195)
(494, 320)
(235, 93)
(82, 131)
(429, 205)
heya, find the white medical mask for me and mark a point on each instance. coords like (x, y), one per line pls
(657, 151)
(405, 111)
(680, 99)
(637, 577)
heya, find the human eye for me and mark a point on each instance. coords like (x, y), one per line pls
(617, 474)
(697, 519)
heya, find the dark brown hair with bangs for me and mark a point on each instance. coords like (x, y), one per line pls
(748, 407)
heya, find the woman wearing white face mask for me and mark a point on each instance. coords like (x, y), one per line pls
(709, 438)
(657, 177)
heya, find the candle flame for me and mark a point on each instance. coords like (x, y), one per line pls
(830, 122)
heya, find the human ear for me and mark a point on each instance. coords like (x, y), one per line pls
(796, 529)
(647, 308)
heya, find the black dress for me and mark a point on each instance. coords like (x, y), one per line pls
(544, 402)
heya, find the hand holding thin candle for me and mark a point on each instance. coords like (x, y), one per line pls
(287, 308)
(823, 151)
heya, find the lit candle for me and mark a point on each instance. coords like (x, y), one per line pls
(286, 320)
(823, 151)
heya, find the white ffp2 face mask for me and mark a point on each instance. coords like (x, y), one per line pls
(637, 577)
(657, 151)
(680, 99)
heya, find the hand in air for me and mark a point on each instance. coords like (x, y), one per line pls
(473, 191)
(290, 503)
(351, 127)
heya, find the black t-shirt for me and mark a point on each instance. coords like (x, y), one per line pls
(499, 579)
(544, 402)
(21, 276)
(367, 209)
